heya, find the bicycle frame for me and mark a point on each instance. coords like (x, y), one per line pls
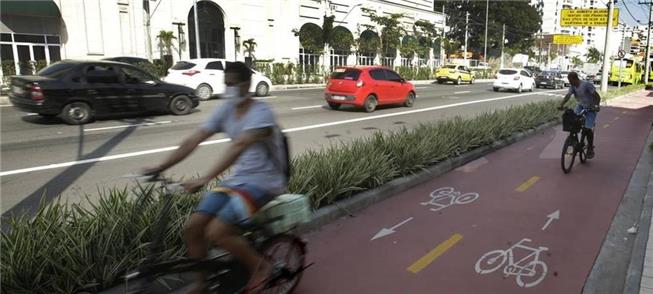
(518, 269)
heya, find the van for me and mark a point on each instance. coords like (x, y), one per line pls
(631, 72)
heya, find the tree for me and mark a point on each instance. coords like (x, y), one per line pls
(576, 61)
(593, 55)
(250, 47)
(391, 29)
(450, 46)
(165, 41)
(522, 23)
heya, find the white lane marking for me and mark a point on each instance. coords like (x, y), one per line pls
(31, 114)
(129, 126)
(165, 149)
(424, 87)
(265, 98)
(307, 107)
(462, 92)
(458, 86)
(9, 105)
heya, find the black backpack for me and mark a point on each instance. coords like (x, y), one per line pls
(284, 165)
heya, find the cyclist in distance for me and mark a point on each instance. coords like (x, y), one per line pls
(256, 157)
(588, 98)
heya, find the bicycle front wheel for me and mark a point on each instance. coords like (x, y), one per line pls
(287, 254)
(582, 152)
(568, 154)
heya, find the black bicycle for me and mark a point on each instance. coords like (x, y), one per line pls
(573, 123)
(224, 273)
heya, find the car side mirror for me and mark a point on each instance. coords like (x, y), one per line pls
(402, 80)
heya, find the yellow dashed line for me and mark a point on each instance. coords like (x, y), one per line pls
(524, 186)
(427, 259)
(605, 126)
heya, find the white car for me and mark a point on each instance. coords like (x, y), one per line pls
(206, 76)
(514, 79)
(565, 77)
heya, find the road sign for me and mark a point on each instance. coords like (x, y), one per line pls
(567, 39)
(621, 53)
(587, 17)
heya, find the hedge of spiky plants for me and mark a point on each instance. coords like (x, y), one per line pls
(67, 248)
(616, 92)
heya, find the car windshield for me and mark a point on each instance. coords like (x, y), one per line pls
(345, 74)
(507, 72)
(181, 65)
(56, 70)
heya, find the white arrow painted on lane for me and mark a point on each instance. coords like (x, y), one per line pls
(554, 215)
(384, 232)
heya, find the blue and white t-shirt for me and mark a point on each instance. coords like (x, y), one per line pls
(584, 93)
(259, 164)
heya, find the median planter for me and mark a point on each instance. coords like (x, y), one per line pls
(68, 249)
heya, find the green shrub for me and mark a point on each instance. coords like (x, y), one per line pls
(8, 70)
(616, 92)
(157, 68)
(39, 65)
(278, 73)
(423, 73)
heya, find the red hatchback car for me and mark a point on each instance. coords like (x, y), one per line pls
(368, 87)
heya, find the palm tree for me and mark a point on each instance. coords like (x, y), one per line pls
(250, 47)
(165, 41)
(593, 55)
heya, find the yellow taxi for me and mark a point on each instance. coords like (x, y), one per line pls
(454, 73)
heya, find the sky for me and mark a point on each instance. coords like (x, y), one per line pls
(638, 11)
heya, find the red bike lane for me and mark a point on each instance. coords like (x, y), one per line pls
(549, 226)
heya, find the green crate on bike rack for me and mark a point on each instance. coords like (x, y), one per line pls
(293, 209)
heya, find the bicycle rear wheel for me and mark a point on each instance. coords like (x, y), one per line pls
(287, 254)
(568, 154)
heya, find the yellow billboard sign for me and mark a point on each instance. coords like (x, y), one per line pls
(587, 17)
(567, 39)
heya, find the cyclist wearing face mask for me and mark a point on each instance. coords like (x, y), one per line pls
(256, 177)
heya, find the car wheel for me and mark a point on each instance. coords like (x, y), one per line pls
(370, 103)
(471, 81)
(262, 89)
(204, 92)
(76, 113)
(519, 90)
(496, 89)
(532, 87)
(180, 105)
(410, 100)
(334, 106)
(458, 81)
(440, 81)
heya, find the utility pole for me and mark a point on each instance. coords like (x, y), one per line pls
(443, 52)
(466, 28)
(621, 56)
(503, 42)
(487, 9)
(197, 30)
(606, 58)
(541, 40)
(648, 44)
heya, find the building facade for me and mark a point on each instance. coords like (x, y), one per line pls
(593, 37)
(49, 30)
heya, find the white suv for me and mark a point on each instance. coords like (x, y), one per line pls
(206, 76)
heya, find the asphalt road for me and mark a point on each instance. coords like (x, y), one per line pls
(41, 157)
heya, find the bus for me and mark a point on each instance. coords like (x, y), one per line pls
(631, 72)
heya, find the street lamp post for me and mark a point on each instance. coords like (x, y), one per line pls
(487, 9)
(197, 30)
(180, 36)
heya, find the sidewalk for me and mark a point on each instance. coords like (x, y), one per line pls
(509, 222)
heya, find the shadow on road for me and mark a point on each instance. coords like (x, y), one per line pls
(55, 186)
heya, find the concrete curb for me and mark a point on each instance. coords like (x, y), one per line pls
(361, 201)
(4, 100)
(636, 266)
(319, 86)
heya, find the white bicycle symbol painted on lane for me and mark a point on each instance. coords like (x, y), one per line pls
(447, 196)
(529, 271)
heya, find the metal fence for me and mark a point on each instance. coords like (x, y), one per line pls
(364, 60)
(388, 61)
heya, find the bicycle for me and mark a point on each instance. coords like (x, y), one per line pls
(450, 198)
(529, 266)
(224, 274)
(573, 123)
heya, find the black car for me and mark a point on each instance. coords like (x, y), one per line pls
(550, 79)
(78, 91)
(137, 61)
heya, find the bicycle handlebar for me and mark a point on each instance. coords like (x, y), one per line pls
(168, 184)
